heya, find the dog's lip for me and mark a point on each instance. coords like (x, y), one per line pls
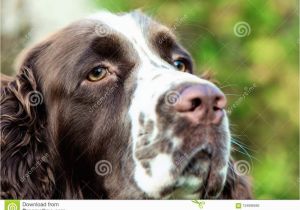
(202, 155)
(181, 185)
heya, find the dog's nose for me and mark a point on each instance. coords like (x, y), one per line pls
(202, 104)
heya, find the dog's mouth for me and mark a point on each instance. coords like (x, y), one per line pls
(193, 167)
(191, 178)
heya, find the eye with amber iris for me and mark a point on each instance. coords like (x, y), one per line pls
(97, 73)
(180, 65)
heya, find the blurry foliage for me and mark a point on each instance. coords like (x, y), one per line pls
(267, 119)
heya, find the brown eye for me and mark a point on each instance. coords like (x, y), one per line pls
(180, 65)
(97, 73)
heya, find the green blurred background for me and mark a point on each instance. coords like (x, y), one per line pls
(251, 46)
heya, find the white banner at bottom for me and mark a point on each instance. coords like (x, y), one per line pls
(149, 204)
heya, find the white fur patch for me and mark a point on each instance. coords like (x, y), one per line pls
(161, 168)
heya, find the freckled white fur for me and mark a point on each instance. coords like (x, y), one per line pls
(146, 97)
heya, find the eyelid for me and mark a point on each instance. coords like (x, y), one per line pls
(99, 66)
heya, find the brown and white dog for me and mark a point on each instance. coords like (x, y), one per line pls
(115, 93)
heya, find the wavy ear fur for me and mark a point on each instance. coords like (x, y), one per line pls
(237, 186)
(26, 171)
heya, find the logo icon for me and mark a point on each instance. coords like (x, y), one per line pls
(242, 167)
(238, 205)
(199, 203)
(242, 29)
(103, 167)
(11, 205)
(35, 98)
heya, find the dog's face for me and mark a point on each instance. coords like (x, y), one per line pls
(120, 88)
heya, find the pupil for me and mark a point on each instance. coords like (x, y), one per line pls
(179, 65)
(97, 72)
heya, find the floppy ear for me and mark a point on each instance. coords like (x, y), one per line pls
(26, 171)
(237, 186)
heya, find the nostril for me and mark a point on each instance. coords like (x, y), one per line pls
(216, 104)
(219, 103)
(196, 102)
(215, 108)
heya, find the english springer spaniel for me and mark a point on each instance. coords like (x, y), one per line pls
(108, 107)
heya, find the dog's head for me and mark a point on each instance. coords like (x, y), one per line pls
(118, 91)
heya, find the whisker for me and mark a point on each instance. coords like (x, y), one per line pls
(229, 85)
(242, 144)
(231, 94)
(244, 151)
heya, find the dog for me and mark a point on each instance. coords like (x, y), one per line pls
(108, 108)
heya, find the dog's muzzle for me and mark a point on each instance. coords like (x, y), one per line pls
(181, 137)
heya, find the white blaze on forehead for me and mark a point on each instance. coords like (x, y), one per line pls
(130, 28)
